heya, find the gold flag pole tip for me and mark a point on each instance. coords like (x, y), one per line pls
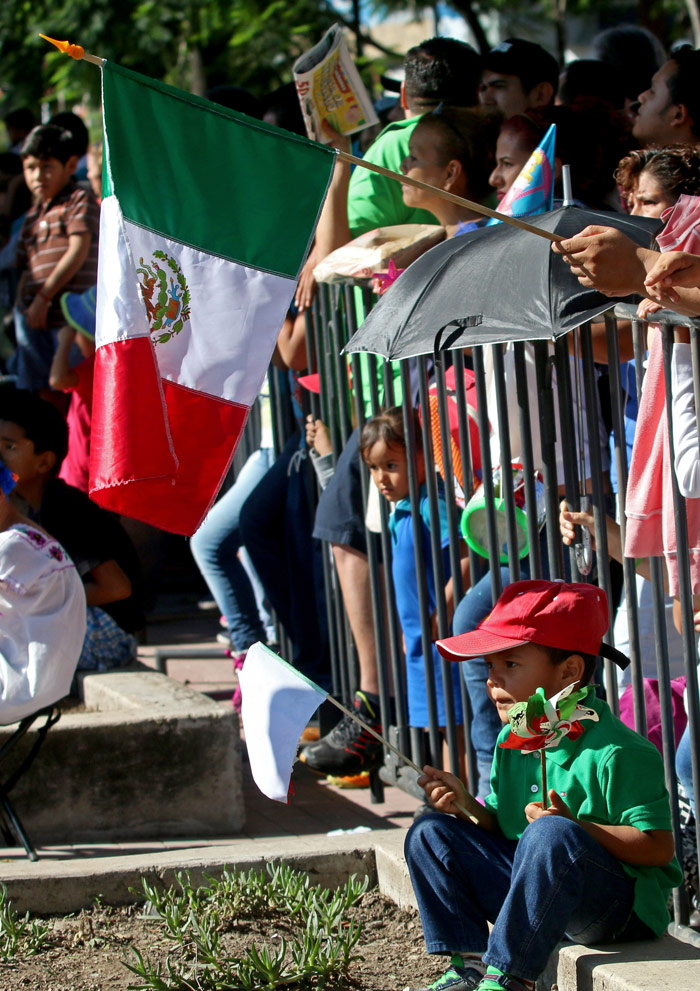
(75, 51)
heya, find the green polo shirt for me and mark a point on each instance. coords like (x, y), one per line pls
(610, 775)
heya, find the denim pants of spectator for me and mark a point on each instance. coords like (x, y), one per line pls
(276, 521)
(215, 547)
(35, 350)
(486, 724)
(555, 881)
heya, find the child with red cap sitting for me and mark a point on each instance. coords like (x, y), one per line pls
(595, 863)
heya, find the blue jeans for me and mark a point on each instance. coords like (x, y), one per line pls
(276, 521)
(35, 350)
(555, 881)
(215, 547)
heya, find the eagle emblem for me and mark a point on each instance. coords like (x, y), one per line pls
(165, 295)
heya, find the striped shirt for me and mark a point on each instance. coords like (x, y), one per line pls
(43, 241)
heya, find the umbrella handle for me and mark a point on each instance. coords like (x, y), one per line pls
(583, 551)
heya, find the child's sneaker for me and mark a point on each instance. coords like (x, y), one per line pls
(348, 749)
(457, 977)
(494, 980)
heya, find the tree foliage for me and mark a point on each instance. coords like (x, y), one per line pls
(194, 44)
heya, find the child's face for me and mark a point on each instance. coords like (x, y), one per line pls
(389, 469)
(46, 177)
(18, 453)
(516, 674)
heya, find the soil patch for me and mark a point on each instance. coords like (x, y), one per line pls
(85, 952)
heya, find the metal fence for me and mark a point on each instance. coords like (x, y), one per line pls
(552, 394)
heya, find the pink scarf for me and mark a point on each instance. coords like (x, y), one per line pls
(651, 527)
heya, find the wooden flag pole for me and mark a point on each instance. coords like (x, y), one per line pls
(78, 52)
(406, 760)
(485, 211)
(543, 768)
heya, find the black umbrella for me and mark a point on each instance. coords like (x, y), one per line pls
(496, 284)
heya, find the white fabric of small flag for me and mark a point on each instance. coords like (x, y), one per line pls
(277, 703)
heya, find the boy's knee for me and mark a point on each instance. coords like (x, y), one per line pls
(435, 835)
(425, 831)
(551, 832)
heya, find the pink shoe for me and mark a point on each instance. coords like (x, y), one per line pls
(237, 696)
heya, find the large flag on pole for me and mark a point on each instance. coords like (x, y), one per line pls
(207, 218)
(277, 702)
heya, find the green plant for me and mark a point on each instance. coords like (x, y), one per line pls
(18, 934)
(318, 952)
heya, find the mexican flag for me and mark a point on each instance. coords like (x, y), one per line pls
(207, 217)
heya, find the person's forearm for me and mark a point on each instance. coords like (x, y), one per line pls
(20, 287)
(108, 583)
(61, 376)
(333, 229)
(68, 265)
(476, 811)
(633, 846)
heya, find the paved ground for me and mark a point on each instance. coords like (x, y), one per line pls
(316, 808)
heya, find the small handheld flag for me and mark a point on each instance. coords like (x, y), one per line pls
(541, 723)
(277, 703)
(533, 190)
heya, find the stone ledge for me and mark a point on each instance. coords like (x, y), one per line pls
(665, 963)
(154, 760)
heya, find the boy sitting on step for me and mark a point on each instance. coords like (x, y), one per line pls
(596, 865)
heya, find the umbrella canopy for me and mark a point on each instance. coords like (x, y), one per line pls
(496, 284)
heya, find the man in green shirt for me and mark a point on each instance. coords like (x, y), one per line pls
(594, 859)
(441, 70)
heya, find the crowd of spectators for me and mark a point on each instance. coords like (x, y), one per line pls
(627, 126)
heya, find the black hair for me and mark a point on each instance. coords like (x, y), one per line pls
(281, 107)
(635, 53)
(527, 60)
(388, 427)
(49, 141)
(76, 126)
(592, 77)
(42, 423)
(469, 135)
(442, 70)
(20, 119)
(557, 655)
(684, 84)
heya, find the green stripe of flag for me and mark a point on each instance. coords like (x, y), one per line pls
(209, 177)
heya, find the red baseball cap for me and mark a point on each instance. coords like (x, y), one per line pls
(566, 615)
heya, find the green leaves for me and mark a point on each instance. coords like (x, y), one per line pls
(195, 918)
(19, 936)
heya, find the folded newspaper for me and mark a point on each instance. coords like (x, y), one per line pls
(330, 88)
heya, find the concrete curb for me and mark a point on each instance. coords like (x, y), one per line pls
(67, 886)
